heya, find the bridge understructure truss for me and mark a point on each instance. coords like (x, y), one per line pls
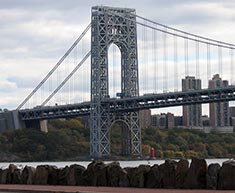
(118, 106)
(108, 28)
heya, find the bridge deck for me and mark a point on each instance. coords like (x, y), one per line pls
(133, 103)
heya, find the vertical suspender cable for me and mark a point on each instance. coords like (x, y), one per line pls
(82, 73)
(152, 62)
(197, 60)
(155, 76)
(165, 77)
(186, 56)
(49, 84)
(231, 67)
(143, 58)
(175, 64)
(69, 82)
(42, 90)
(220, 60)
(74, 77)
(147, 62)
(208, 61)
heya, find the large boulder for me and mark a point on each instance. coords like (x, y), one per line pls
(63, 174)
(52, 175)
(75, 175)
(153, 178)
(116, 176)
(1, 172)
(11, 170)
(182, 168)
(3, 176)
(138, 175)
(123, 180)
(213, 176)
(168, 172)
(16, 176)
(96, 174)
(196, 177)
(28, 175)
(227, 176)
(41, 175)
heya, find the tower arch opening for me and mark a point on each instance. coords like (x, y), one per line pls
(120, 138)
(114, 70)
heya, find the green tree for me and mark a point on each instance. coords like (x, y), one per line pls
(190, 154)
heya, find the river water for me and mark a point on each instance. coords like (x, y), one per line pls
(123, 164)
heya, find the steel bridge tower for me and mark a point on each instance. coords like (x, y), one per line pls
(113, 25)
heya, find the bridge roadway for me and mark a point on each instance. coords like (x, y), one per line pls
(147, 101)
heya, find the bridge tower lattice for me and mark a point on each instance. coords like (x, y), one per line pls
(117, 26)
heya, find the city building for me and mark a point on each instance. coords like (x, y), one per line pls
(158, 121)
(219, 112)
(232, 111)
(191, 113)
(163, 121)
(232, 117)
(154, 121)
(178, 121)
(170, 121)
(145, 118)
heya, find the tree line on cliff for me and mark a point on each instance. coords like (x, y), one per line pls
(69, 140)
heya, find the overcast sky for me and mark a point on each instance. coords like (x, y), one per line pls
(35, 34)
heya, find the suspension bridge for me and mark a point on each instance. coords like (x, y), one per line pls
(110, 73)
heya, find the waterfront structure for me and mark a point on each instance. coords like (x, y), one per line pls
(219, 111)
(192, 113)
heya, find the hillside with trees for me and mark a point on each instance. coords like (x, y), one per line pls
(69, 140)
(179, 143)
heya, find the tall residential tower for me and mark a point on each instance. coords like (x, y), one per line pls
(219, 112)
(192, 113)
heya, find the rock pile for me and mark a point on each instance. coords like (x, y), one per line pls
(170, 174)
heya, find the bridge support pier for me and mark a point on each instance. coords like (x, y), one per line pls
(38, 124)
(43, 126)
(10, 120)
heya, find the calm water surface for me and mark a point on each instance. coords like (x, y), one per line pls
(123, 164)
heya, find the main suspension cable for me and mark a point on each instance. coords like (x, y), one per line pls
(193, 38)
(67, 78)
(186, 33)
(54, 68)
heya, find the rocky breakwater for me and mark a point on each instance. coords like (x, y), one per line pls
(171, 174)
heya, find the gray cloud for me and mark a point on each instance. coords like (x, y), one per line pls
(35, 34)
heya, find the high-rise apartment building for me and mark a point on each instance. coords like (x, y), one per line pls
(163, 121)
(192, 113)
(219, 112)
(145, 118)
